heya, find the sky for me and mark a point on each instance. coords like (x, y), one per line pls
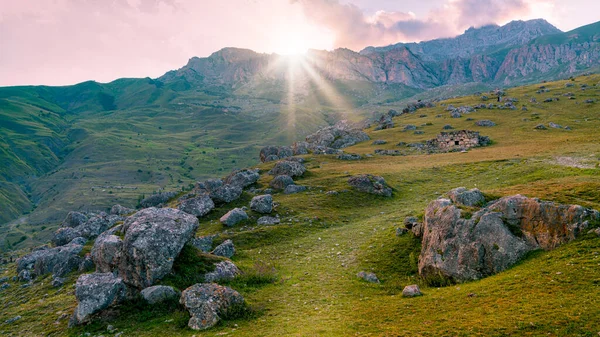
(61, 42)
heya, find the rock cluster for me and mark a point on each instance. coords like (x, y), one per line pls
(368, 183)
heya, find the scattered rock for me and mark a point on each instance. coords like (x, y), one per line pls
(226, 249)
(208, 302)
(541, 127)
(379, 142)
(224, 271)
(94, 293)
(198, 206)
(339, 136)
(369, 277)
(448, 127)
(203, 243)
(554, 125)
(242, 178)
(272, 153)
(262, 203)
(419, 132)
(281, 182)
(411, 291)
(368, 183)
(58, 282)
(120, 210)
(401, 231)
(153, 239)
(485, 123)
(293, 189)
(349, 156)
(382, 152)
(409, 127)
(12, 320)
(158, 294)
(226, 193)
(157, 200)
(466, 197)
(233, 217)
(289, 168)
(268, 220)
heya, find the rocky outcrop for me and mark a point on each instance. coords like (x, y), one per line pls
(208, 303)
(457, 247)
(94, 293)
(74, 219)
(203, 243)
(368, 183)
(120, 210)
(106, 252)
(158, 294)
(153, 239)
(157, 200)
(339, 136)
(272, 153)
(89, 229)
(466, 197)
(59, 261)
(288, 168)
(198, 206)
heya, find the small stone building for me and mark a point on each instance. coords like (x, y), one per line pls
(458, 140)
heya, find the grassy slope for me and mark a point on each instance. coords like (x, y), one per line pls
(326, 239)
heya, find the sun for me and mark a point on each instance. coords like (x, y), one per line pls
(293, 45)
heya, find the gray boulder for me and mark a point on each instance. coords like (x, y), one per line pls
(208, 302)
(158, 294)
(153, 239)
(289, 168)
(94, 293)
(370, 184)
(485, 123)
(224, 271)
(281, 182)
(349, 156)
(64, 235)
(293, 189)
(270, 153)
(97, 225)
(234, 217)
(268, 220)
(120, 210)
(300, 148)
(157, 200)
(106, 252)
(540, 127)
(225, 249)
(411, 291)
(74, 219)
(262, 203)
(379, 142)
(369, 277)
(226, 193)
(243, 178)
(59, 261)
(209, 185)
(203, 243)
(198, 206)
(58, 282)
(339, 136)
(555, 126)
(465, 197)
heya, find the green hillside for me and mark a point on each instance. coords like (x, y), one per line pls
(300, 276)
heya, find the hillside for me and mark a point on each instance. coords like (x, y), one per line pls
(300, 275)
(91, 145)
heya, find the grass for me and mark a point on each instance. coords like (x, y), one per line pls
(300, 276)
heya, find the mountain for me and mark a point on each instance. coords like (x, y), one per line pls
(91, 145)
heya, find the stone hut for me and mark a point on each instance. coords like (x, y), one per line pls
(458, 140)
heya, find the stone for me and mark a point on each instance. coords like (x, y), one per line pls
(289, 168)
(106, 252)
(369, 277)
(554, 125)
(198, 206)
(281, 182)
(339, 136)
(409, 127)
(226, 193)
(419, 132)
(300, 148)
(349, 156)
(401, 231)
(485, 123)
(233, 217)
(243, 178)
(384, 122)
(153, 239)
(262, 203)
(224, 271)
(158, 294)
(411, 291)
(157, 200)
(94, 293)
(382, 152)
(368, 183)
(268, 220)
(58, 282)
(208, 302)
(74, 219)
(209, 185)
(379, 142)
(225, 249)
(203, 243)
(86, 264)
(465, 197)
(447, 127)
(270, 153)
(541, 127)
(120, 210)
(293, 189)
(59, 261)
(64, 235)
(12, 320)
(24, 275)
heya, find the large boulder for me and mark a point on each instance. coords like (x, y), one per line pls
(460, 248)
(209, 185)
(64, 235)
(289, 168)
(281, 182)
(74, 219)
(368, 183)
(157, 200)
(243, 178)
(208, 302)
(94, 293)
(300, 148)
(262, 203)
(203, 243)
(339, 136)
(233, 217)
(198, 206)
(293, 189)
(226, 193)
(59, 261)
(466, 197)
(271, 153)
(157, 294)
(153, 239)
(90, 229)
(224, 271)
(120, 210)
(225, 249)
(106, 252)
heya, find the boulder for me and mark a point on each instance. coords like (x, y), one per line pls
(225, 249)
(268, 220)
(94, 293)
(448, 127)
(203, 243)
(384, 122)
(226, 193)
(300, 148)
(270, 153)
(198, 206)
(339, 136)
(153, 239)
(234, 217)
(242, 178)
(411, 291)
(86, 264)
(120, 210)
(281, 182)
(262, 203)
(555, 126)
(349, 156)
(157, 200)
(379, 142)
(289, 168)
(293, 189)
(209, 185)
(224, 271)
(59, 261)
(466, 197)
(485, 123)
(64, 235)
(74, 219)
(370, 184)
(541, 127)
(106, 252)
(97, 224)
(58, 282)
(401, 231)
(369, 277)
(208, 302)
(158, 294)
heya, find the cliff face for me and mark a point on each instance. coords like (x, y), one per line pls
(518, 52)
